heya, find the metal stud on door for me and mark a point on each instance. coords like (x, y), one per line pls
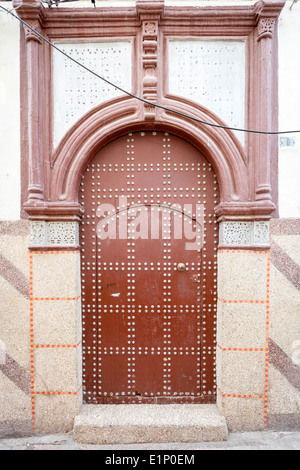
(149, 260)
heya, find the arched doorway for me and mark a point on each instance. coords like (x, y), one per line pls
(149, 240)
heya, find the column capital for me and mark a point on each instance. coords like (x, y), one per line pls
(267, 12)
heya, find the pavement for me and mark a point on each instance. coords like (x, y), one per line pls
(236, 441)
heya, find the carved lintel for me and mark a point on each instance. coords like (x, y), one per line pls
(149, 7)
(267, 12)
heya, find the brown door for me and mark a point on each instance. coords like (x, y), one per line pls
(149, 239)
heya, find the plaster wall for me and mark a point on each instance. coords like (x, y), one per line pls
(289, 102)
(76, 91)
(10, 186)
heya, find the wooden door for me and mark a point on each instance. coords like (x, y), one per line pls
(149, 241)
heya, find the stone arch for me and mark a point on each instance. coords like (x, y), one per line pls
(119, 116)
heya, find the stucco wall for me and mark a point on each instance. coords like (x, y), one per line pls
(289, 118)
(9, 118)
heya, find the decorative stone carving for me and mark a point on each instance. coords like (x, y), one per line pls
(62, 233)
(51, 177)
(31, 35)
(244, 233)
(265, 28)
(261, 233)
(54, 234)
(150, 13)
(38, 233)
(235, 233)
(150, 28)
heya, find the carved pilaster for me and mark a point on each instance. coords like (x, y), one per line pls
(35, 183)
(32, 12)
(266, 99)
(150, 13)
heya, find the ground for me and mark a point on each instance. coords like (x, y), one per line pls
(236, 441)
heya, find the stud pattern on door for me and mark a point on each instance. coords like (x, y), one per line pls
(149, 290)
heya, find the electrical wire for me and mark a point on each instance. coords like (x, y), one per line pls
(150, 103)
(21, 4)
(294, 1)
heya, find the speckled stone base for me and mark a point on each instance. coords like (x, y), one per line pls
(128, 424)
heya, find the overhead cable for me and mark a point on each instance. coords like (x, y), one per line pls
(150, 103)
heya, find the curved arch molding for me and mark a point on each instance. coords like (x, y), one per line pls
(247, 174)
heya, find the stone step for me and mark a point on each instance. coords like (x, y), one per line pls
(129, 424)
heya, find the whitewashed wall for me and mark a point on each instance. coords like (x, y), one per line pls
(9, 117)
(76, 91)
(212, 73)
(289, 105)
(289, 111)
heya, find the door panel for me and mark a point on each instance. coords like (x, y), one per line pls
(149, 328)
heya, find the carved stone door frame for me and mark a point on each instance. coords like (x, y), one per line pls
(247, 175)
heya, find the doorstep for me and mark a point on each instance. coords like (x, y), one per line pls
(129, 424)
